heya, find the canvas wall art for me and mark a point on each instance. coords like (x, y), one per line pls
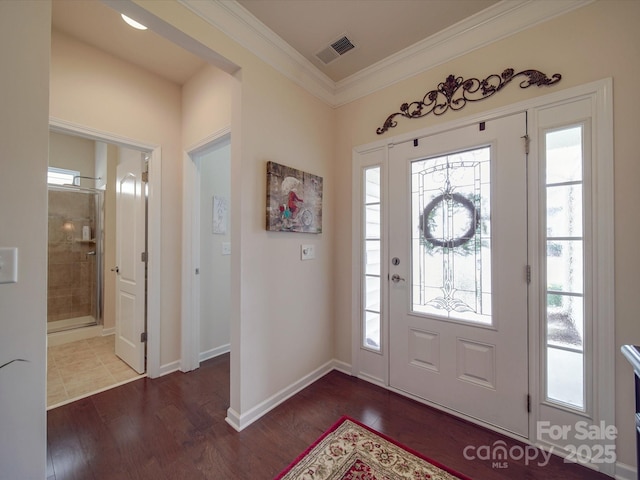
(294, 200)
(220, 213)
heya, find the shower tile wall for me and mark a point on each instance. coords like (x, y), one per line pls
(71, 275)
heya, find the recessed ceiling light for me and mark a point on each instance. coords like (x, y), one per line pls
(133, 23)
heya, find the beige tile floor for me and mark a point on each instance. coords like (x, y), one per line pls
(77, 369)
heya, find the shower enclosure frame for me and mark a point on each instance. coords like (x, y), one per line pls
(97, 239)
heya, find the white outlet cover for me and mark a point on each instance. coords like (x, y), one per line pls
(9, 265)
(307, 252)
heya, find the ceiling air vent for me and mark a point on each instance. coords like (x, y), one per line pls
(335, 50)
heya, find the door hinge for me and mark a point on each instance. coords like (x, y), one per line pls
(143, 257)
(143, 337)
(528, 403)
(526, 143)
(528, 273)
(145, 177)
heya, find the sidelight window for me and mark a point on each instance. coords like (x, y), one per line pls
(372, 259)
(565, 265)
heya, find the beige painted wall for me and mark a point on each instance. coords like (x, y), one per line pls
(206, 105)
(277, 293)
(282, 325)
(597, 41)
(24, 139)
(93, 89)
(73, 153)
(287, 305)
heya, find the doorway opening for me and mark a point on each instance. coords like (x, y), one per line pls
(206, 251)
(87, 351)
(148, 128)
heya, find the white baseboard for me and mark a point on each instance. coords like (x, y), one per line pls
(108, 331)
(625, 472)
(233, 419)
(371, 379)
(241, 421)
(342, 367)
(214, 352)
(169, 368)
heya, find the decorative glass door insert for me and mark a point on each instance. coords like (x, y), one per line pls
(451, 243)
(456, 198)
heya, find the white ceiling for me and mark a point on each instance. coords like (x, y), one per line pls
(394, 39)
(102, 27)
(378, 28)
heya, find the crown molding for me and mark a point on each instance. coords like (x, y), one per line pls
(241, 26)
(502, 20)
(497, 22)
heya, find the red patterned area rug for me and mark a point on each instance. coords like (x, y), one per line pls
(352, 451)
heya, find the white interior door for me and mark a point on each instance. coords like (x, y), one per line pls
(130, 270)
(458, 282)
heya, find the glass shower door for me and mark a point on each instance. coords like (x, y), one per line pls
(74, 258)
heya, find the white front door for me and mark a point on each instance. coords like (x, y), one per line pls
(458, 272)
(130, 270)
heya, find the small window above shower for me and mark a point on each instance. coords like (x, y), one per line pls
(63, 176)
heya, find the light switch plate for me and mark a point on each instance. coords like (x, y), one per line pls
(226, 248)
(8, 265)
(307, 252)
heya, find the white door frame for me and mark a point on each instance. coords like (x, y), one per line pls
(600, 94)
(190, 325)
(372, 366)
(153, 227)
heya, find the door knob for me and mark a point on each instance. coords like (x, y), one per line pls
(116, 269)
(395, 278)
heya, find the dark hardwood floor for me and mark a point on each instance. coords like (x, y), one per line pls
(173, 428)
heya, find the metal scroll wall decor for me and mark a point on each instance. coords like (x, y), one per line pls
(455, 92)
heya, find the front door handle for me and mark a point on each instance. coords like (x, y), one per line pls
(395, 278)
